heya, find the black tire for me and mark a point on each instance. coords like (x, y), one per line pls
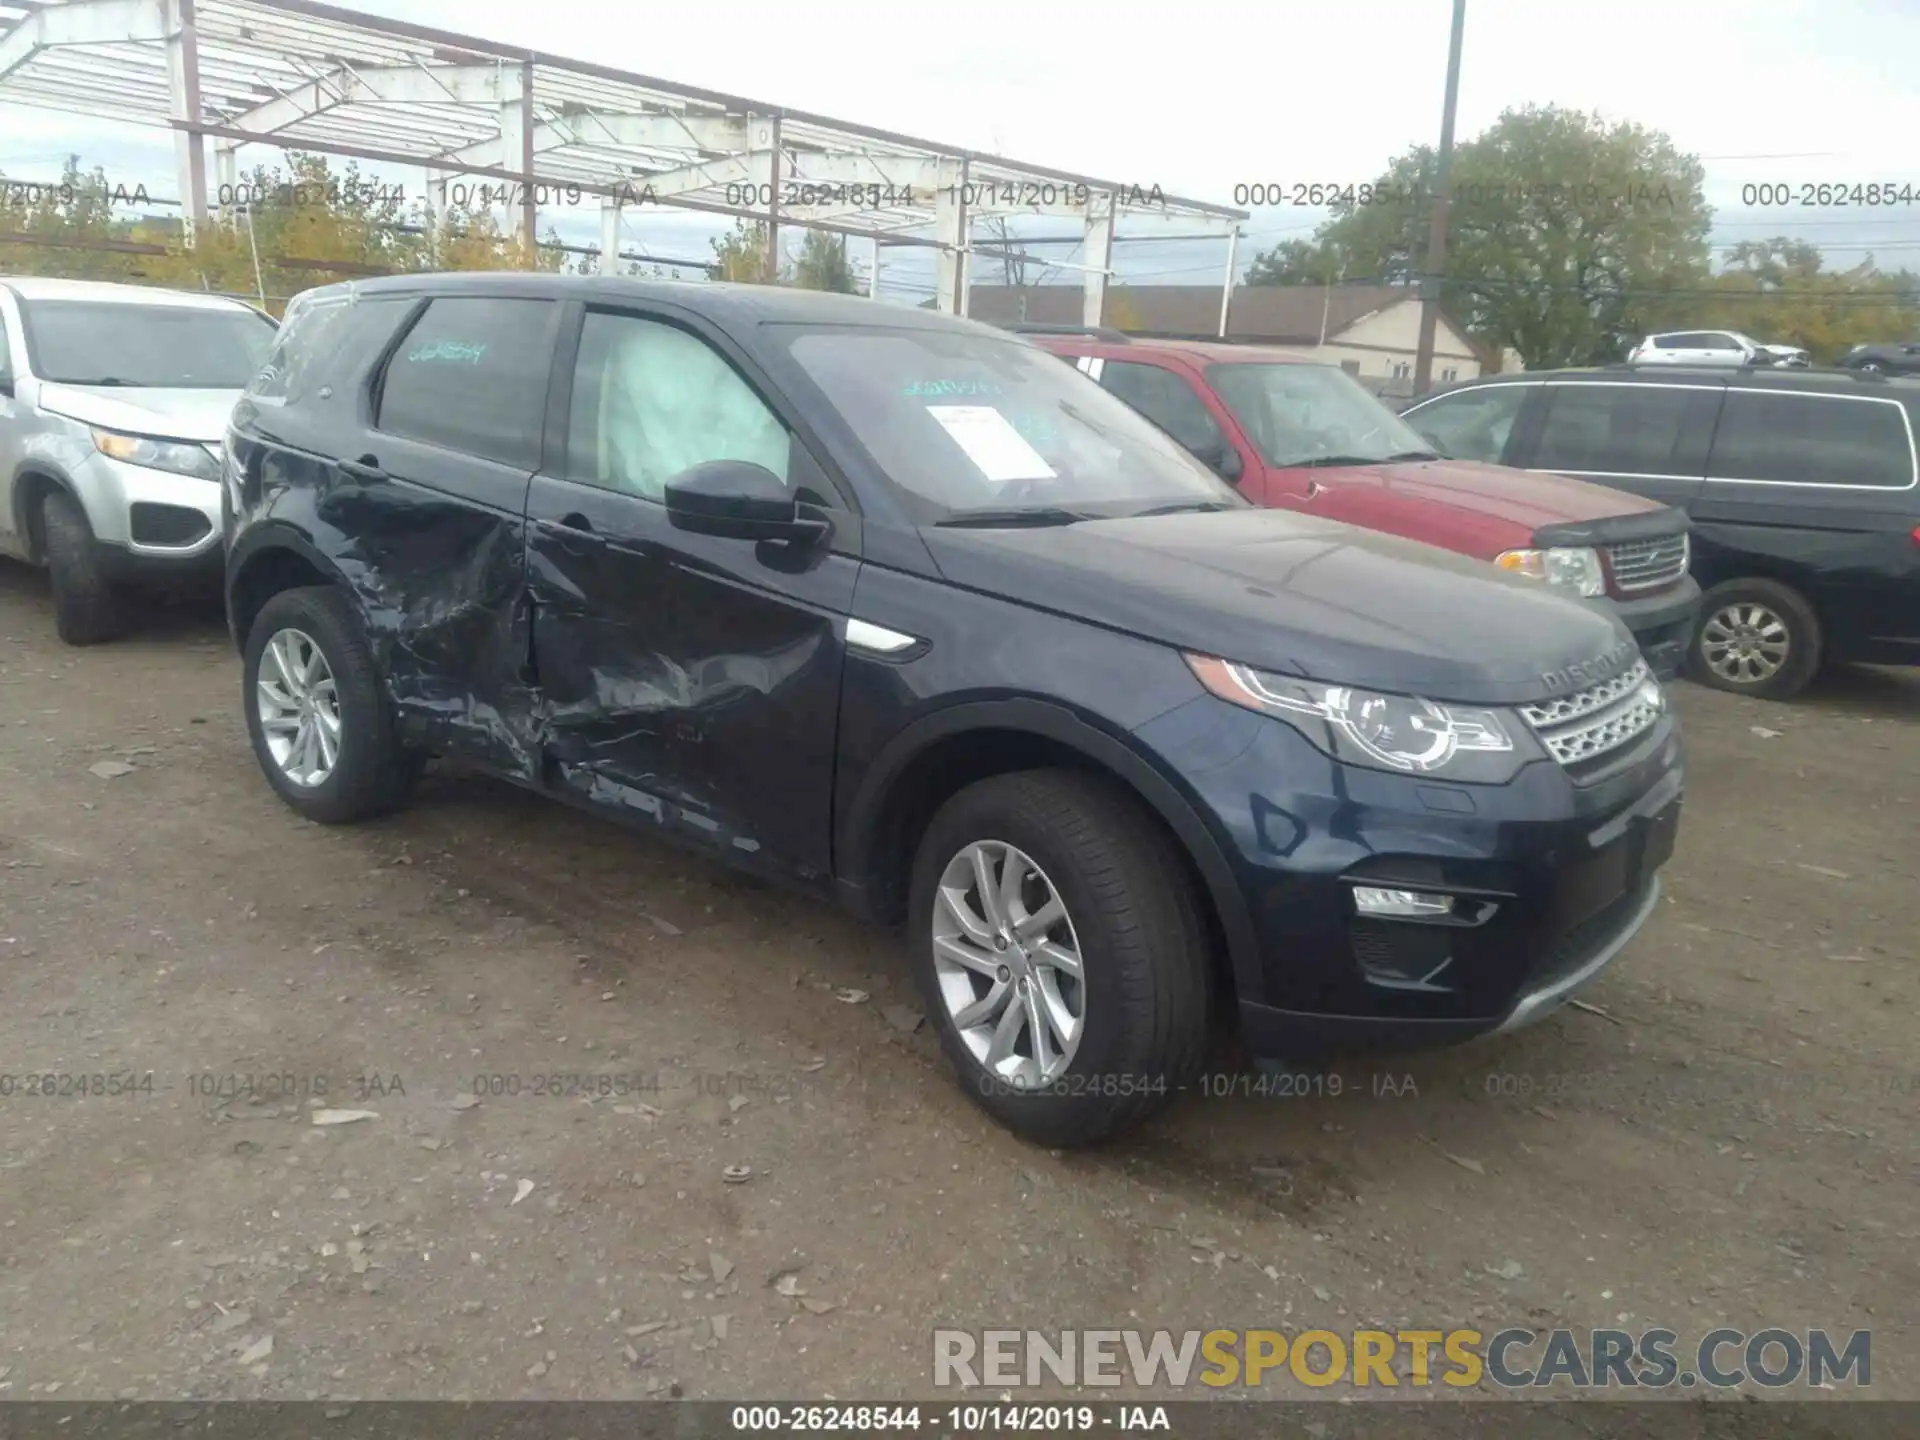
(1804, 642)
(1144, 949)
(86, 609)
(374, 772)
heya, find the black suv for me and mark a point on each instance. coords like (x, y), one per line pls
(1802, 486)
(900, 609)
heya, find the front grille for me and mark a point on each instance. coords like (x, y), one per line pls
(1648, 564)
(1582, 729)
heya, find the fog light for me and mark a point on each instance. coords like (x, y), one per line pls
(1400, 904)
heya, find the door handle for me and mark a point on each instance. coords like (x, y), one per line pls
(364, 471)
(574, 520)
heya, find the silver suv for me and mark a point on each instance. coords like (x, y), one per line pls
(113, 408)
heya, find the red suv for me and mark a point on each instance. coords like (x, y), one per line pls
(1297, 434)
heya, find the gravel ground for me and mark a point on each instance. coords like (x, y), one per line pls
(1727, 1139)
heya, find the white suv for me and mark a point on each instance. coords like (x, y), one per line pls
(1714, 347)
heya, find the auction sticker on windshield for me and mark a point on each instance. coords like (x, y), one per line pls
(1000, 451)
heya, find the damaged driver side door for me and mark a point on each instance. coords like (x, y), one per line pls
(688, 680)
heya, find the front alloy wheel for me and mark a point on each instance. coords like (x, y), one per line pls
(1008, 964)
(299, 706)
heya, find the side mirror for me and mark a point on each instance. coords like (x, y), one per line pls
(739, 500)
(1227, 464)
(6, 386)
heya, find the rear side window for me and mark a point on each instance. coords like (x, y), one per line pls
(1167, 400)
(1789, 438)
(1612, 429)
(1678, 342)
(471, 375)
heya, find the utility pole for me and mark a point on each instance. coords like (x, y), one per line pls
(1437, 235)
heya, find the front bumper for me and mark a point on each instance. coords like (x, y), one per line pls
(1663, 624)
(1559, 877)
(151, 524)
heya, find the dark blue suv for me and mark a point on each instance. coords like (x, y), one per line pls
(899, 609)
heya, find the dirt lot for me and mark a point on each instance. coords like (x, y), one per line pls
(1732, 1142)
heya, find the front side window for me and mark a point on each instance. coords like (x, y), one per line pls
(6, 355)
(1612, 429)
(1808, 439)
(1303, 414)
(1474, 424)
(1168, 400)
(651, 400)
(471, 375)
(959, 422)
(162, 347)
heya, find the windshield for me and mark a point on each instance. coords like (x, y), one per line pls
(84, 342)
(1301, 414)
(964, 423)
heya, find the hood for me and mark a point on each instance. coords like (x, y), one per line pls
(199, 415)
(1306, 597)
(1451, 502)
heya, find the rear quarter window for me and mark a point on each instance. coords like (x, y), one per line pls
(1794, 438)
(320, 343)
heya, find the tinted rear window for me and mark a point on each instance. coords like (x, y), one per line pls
(165, 347)
(472, 375)
(1812, 440)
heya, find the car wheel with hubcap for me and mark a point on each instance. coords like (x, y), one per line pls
(1756, 637)
(317, 714)
(1060, 951)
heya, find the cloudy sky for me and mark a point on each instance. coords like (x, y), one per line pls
(1214, 94)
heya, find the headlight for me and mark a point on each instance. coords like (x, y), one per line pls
(176, 456)
(1566, 567)
(1385, 732)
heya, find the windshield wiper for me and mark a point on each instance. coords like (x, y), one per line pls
(104, 382)
(1405, 455)
(1319, 462)
(1180, 507)
(1010, 516)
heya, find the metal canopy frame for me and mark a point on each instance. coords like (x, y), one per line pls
(300, 75)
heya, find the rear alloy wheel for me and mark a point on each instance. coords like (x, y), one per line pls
(1756, 637)
(299, 707)
(1061, 952)
(317, 713)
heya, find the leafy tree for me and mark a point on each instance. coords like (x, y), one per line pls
(823, 264)
(1566, 235)
(741, 254)
(1779, 291)
(1297, 262)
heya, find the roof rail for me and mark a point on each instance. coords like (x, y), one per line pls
(1097, 332)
